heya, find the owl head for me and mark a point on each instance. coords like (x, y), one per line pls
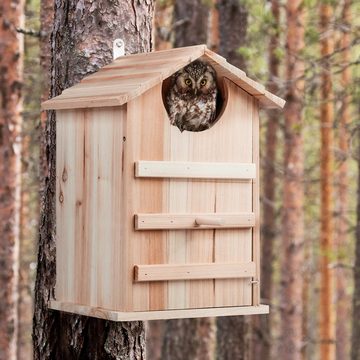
(195, 79)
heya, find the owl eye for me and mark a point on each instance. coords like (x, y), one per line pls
(203, 82)
(188, 82)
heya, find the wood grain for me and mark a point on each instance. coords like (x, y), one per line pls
(194, 170)
(157, 315)
(184, 221)
(121, 81)
(193, 271)
(194, 221)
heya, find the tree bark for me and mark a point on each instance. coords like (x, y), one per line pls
(233, 22)
(214, 31)
(262, 324)
(163, 24)
(81, 42)
(11, 67)
(355, 343)
(154, 338)
(233, 338)
(190, 21)
(327, 323)
(293, 193)
(189, 339)
(342, 308)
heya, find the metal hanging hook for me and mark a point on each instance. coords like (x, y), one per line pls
(118, 48)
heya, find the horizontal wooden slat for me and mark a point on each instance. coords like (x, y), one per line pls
(194, 170)
(193, 271)
(193, 221)
(156, 315)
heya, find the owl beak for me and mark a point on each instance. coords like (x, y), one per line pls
(195, 91)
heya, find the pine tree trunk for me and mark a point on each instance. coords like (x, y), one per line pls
(214, 31)
(355, 343)
(342, 309)
(233, 22)
(154, 338)
(262, 325)
(163, 23)
(81, 42)
(293, 192)
(327, 323)
(11, 68)
(191, 21)
(25, 308)
(233, 333)
(233, 338)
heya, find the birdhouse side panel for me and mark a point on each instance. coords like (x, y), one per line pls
(89, 207)
(145, 140)
(194, 176)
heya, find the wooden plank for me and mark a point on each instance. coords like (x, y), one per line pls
(165, 272)
(58, 102)
(113, 315)
(234, 245)
(194, 170)
(145, 138)
(89, 189)
(194, 221)
(256, 203)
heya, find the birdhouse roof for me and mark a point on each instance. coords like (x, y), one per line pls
(130, 76)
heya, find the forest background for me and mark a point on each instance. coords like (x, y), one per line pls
(307, 52)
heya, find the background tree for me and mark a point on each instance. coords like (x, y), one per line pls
(233, 333)
(355, 344)
(11, 66)
(233, 21)
(189, 338)
(342, 308)
(190, 21)
(262, 336)
(327, 321)
(81, 42)
(290, 345)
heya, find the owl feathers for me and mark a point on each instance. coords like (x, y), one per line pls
(191, 100)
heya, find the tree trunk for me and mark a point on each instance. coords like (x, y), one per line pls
(233, 338)
(25, 308)
(191, 22)
(355, 343)
(233, 333)
(11, 67)
(262, 325)
(154, 338)
(290, 346)
(81, 42)
(327, 323)
(233, 21)
(214, 31)
(163, 23)
(189, 339)
(342, 308)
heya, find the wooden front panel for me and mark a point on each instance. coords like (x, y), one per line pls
(90, 249)
(150, 137)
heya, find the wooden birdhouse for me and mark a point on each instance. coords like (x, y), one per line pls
(152, 222)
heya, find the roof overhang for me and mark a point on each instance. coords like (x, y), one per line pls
(130, 76)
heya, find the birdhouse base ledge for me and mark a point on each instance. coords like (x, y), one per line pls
(156, 315)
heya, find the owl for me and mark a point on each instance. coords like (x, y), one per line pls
(191, 100)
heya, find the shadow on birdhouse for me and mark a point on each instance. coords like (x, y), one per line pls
(152, 222)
